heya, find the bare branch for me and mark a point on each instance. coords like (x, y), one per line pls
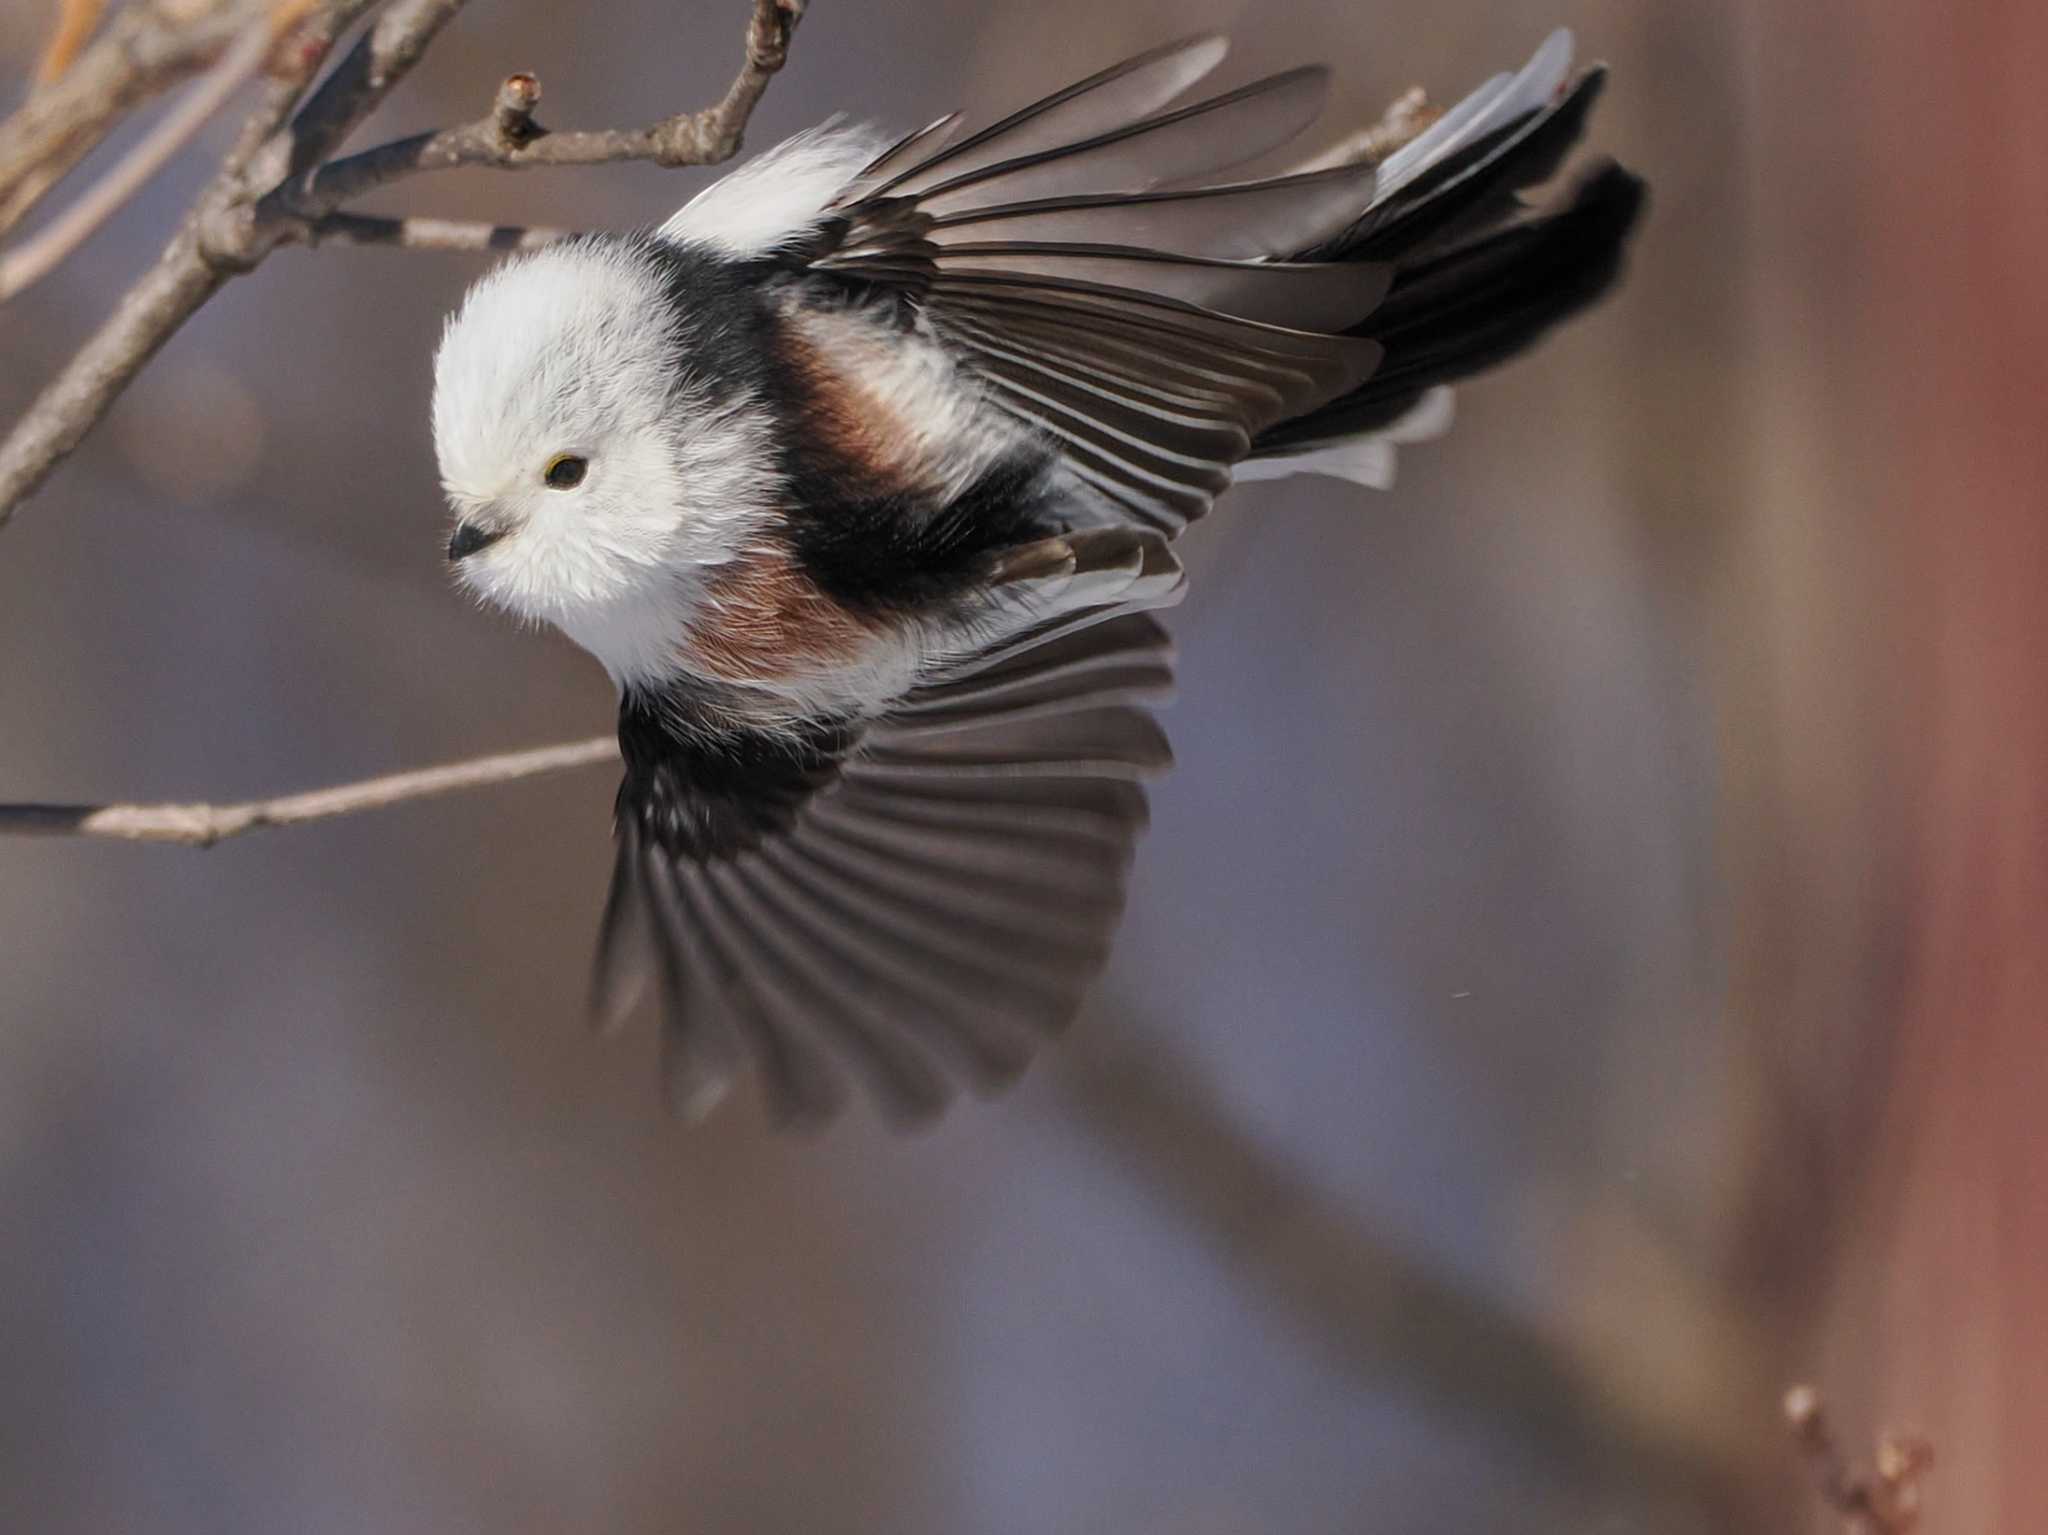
(204, 825)
(297, 59)
(689, 138)
(189, 272)
(145, 49)
(380, 59)
(36, 258)
(1887, 1503)
(273, 188)
(428, 234)
(768, 39)
(147, 316)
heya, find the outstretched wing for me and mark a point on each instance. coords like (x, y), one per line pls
(1161, 332)
(915, 900)
(911, 902)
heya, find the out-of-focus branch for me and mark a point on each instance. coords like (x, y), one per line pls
(204, 825)
(424, 234)
(183, 277)
(297, 59)
(278, 185)
(148, 47)
(380, 59)
(36, 258)
(1367, 1306)
(1887, 1503)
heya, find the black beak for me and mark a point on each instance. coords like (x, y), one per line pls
(469, 538)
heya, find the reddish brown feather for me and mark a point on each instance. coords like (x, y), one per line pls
(852, 423)
(765, 620)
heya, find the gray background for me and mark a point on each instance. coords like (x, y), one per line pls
(1504, 1085)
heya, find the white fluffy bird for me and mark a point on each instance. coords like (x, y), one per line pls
(861, 474)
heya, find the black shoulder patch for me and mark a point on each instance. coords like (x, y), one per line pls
(724, 319)
(871, 545)
(899, 552)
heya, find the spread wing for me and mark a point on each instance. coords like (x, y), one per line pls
(915, 900)
(1156, 330)
(909, 902)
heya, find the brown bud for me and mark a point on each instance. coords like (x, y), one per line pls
(512, 112)
(1802, 1408)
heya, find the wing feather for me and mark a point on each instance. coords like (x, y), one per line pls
(1104, 299)
(908, 899)
(1301, 296)
(1248, 222)
(914, 996)
(791, 982)
(1209, 136)
(699, 1043)
(1110, 99)
(933, 903)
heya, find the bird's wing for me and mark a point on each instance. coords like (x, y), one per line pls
(917, 900)
(1153, 328)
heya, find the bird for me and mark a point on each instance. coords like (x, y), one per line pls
(861, 477)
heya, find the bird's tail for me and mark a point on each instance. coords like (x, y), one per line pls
(1478, 276)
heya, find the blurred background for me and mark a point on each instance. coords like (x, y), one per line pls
(1585, 975)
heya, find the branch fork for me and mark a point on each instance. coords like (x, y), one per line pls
(283, 182)
(1886, 1502)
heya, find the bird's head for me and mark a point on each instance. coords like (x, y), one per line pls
(594, 458)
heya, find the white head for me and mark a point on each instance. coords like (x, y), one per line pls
(596, 419)
(594, 464)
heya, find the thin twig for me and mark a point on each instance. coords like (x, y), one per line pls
(689, 138)
(204, 825)
(36, 258)
(425, 234)
(276, 187)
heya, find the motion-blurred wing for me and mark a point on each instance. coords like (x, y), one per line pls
(916, 901)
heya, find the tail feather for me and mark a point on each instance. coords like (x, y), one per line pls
(1364, 458)
(1477, 278)
(1475, 305)
(1195, 141)
(1477, 186)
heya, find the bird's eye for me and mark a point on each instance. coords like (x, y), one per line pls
(565, 471)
